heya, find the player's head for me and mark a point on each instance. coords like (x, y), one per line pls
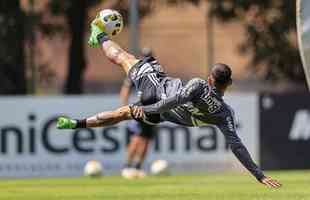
(220, 76)
(146, 52)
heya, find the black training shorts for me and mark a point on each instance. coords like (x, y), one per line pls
(135, 128)
(147, 76)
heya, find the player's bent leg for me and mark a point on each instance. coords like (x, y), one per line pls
(119, 56)
(111, 49)
(99, 120)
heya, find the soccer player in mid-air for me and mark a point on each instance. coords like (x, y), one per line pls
(199, 102)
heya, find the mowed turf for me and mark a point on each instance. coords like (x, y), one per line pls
(296, 185)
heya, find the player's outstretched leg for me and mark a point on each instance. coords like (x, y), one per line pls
(99, 120)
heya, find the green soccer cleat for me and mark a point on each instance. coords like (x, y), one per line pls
(96, 29)
(66, 123)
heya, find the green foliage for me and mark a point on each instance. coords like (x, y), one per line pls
(59, 7)
(270, 27)
(270, 40)
(75, 13)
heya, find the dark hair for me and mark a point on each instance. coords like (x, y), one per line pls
(221, 74)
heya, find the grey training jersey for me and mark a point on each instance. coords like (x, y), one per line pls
(192, 104)
(196, 104)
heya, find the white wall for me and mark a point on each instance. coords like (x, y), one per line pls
(29, 139)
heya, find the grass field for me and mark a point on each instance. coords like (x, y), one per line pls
(207, 187)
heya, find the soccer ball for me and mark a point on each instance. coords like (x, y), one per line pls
(160, 168)
(93, 168)
(110, 21)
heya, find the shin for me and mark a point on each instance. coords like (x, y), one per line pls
(109, 118)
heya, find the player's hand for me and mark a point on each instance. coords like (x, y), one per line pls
(138, 112)
(66, 123)
(271, 183)
(96, 28)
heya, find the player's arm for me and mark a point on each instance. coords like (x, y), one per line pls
(99, 120)
(240, 151)
(191, 90)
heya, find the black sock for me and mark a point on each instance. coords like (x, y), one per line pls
(138, 165)
(128, 165)
(102, 37)
(81, 123)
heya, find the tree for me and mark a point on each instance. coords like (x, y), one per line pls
(12, 36)
(76, 13)
(271, 40)
(270, 27)
(76, 16)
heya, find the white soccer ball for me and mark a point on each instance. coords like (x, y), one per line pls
(93, 168)
(160, 168)
(110, 21)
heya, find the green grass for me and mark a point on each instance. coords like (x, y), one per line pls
(206, 187)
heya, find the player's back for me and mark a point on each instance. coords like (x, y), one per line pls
(205, 107)
(199, 103)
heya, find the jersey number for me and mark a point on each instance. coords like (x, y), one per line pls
(213, 104)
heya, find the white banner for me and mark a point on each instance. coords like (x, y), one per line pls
(31, 146)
